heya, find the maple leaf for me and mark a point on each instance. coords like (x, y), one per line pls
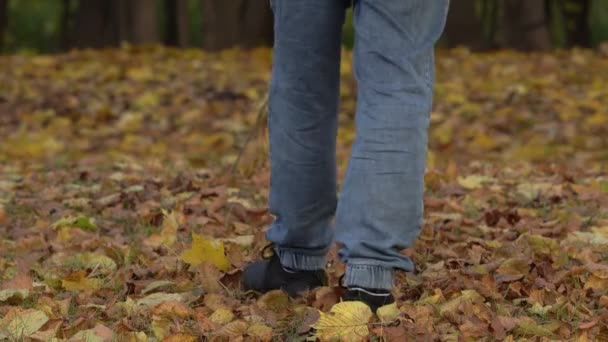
(206, 250)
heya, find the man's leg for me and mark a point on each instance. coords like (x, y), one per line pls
(380, 209)
(302, 122)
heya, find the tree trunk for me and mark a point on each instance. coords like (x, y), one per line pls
(144, 24)
(580, 34)
(104, 23)
(95, 24)
(525, 25)
(177, 23)
(3, 21)
(242, 23)
(463, 26)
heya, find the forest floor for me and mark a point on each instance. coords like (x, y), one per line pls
(120, 217)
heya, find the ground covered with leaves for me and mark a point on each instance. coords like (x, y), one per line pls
(122, 217)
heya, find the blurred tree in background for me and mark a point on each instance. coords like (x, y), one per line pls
(58, 25)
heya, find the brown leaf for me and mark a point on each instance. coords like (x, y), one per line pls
(474, 329)
(20, 281)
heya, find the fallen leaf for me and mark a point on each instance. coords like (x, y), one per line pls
(473, 181)
(82, 222)
(171, 309)
(19, 323)
(221, 316)
(168, 234)
(241, 240)
(206, 250)
(346, 321)
(3, 215)
(78, 281)
(233, 329)
(528, 326)
(275, 300)
(100, 333)
(260, 332)
(155, 285)
(13, 294)
(180, 337)
(159, 297)
(388, 313)
(452, 305)
(543, 245)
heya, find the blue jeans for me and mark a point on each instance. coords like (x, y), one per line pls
(380, 208)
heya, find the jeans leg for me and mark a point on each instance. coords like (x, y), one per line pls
(302, 121)
(381, 206)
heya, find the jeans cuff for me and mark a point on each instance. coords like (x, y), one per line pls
(298, 261)
(368, 276)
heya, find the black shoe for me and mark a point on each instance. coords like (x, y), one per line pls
(374, 298)
(268, 274)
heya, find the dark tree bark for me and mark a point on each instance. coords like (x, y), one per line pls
(242, 23)
(3, 21)
(144, 24)
(525, 25)
(463, 26)
(66, 17)
(104, 23)
(176, 14)
(579, 33)
(95, 24)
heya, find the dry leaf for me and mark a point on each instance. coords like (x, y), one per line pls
(206, 250)
(346, 321)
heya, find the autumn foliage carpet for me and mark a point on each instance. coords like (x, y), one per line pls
(123, 219)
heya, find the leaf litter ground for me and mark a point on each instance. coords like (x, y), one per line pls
(120, 218)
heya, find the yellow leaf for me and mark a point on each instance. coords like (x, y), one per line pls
(346, 321)
(93, 261)
(514, 266)
(180, 337)
(275, 300)
(259, 331)
(13, 293)
(161, 327)
(473, 181)
(19, 323)
(434, 299)
(78, 281)
(388, 313)
(531, 191)
(596, 283)
(160, 297)
(543, 245)
(206, 250)
(587, 237)
(528, 326)
(221, 316)
(241, 240)
(155, 285)
(539, 310)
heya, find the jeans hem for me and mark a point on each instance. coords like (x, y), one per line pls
(298, 261)
(369, 276)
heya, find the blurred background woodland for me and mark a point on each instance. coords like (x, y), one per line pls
(47, 26)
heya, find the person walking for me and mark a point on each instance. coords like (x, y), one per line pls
(380, 208)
